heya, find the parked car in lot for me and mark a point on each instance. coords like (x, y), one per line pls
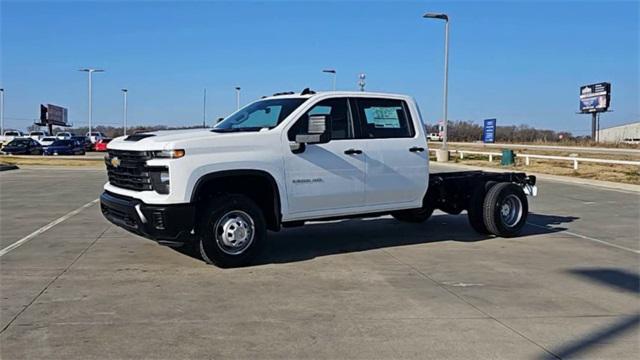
(46, 141)
(8, 136)
(101, 145)
(37, 135)
(65, 147)
(64, 135)
(434, 137)
(88, 146)
(290, 158)
(23, 146)
(94, 136)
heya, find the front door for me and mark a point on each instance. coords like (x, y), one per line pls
(326, 179)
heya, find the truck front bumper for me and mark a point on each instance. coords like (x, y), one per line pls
(166, 224)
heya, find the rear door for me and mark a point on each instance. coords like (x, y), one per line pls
(396, 156)
(326, 179)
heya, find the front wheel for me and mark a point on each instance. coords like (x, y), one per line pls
(231, 232)
(505, 209)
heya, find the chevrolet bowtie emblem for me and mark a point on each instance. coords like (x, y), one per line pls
(115, 162)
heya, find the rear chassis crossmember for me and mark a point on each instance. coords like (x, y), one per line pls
(451, 192)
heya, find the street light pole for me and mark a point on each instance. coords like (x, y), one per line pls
(124, 111)
(1, 111)
(204, 109)
(237, 97)
(90, 71)
(335, 75)
(444, 154)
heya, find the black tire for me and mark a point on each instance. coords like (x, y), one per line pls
(505, 209)
(476, 207)
(413, 215)
(239, 217)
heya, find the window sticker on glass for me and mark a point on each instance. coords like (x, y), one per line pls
(383, 117)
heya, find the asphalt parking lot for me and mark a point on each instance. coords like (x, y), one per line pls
(372, 288)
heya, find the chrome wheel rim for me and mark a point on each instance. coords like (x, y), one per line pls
(234, 232)
(511, 210)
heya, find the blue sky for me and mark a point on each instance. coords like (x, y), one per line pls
(520, 62)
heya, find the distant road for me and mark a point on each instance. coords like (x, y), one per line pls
(602, 150)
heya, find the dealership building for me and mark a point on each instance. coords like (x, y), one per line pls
(629, 133)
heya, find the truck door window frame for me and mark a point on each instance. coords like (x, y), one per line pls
(362, 121)
(352, 130)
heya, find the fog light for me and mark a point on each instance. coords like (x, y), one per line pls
(160, 180)
(158, 220)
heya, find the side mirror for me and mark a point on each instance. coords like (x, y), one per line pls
(318, 131)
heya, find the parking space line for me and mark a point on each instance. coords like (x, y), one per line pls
(27, 238)
(589, 238)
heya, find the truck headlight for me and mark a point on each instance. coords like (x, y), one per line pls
(168, 154)
(160, 180)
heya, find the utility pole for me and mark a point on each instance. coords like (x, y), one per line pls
(1, 111)
(124, 111)
(443, 153)
(204, 109)
(90, 71)
(237, 98)
(335, 75)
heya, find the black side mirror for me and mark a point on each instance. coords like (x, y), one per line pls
(318, 131)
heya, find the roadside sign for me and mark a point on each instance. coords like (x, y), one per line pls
(489, 131)
(53, 114)
(595, 97)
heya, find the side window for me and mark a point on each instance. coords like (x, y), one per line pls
(337, 110)
(384, 118)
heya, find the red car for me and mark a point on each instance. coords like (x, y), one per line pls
(101, 145)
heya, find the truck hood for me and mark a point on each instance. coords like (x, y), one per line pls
(179, 139)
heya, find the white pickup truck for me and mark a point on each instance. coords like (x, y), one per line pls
(290, 158)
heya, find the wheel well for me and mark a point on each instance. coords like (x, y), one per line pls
(259, 186)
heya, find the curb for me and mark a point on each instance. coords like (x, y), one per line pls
(609, 185)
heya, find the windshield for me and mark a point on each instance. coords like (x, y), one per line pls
(12, 133)
(259, 115)
(19, 142)
(62, 143)
(48, 139)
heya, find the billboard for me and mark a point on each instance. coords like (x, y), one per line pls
(489, 131)
(595, 97)
(53, 115)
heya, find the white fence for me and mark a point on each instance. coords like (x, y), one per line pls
(574, 159)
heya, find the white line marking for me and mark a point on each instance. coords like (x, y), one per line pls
(590, 239)
(26, 239)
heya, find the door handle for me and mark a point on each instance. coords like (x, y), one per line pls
(353, 152)
(416, 149)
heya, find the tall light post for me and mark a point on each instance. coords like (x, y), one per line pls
(204, 109)
(1, 111)
(335, 74)
(443, 153)
(124, 110)
(90, 71)
(237, 97)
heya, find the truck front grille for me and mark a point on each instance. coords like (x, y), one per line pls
(128, 169)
